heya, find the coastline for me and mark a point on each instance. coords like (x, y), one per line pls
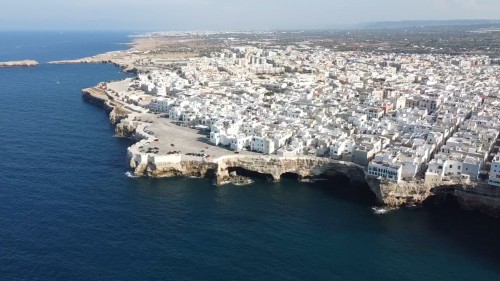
(130, 121)
(471, 196)
(69, 193)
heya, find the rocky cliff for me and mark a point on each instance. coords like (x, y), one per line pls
(183, 168)
(272, 166)
(475, 196)
(117, 113)
(275, 167)
(470, 195)
(98, 97)
(480, 197)
(399, 194)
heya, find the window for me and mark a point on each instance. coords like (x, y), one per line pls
(459, 167)
(451, 166)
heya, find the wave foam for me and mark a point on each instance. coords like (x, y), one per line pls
(130, 175)
(381, 210)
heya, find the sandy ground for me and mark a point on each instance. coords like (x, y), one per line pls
(144, 51)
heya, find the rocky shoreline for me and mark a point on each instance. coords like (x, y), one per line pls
(94, 60)
(470, 195)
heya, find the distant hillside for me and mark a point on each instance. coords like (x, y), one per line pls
(423, 23)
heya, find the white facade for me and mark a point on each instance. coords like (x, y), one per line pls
(341, 147)
(240, 142)
(262, 145)
(494, 178)
(387, 171)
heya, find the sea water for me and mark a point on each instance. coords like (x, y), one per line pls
(68, 210)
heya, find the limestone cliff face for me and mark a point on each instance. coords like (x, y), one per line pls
(125, 128)
(413, 193)
(272, 166)
(276, 167)
(470, 195)
(93, 97)
(139, 166)
(399, 194)
(117, 114)
(183, 168)
(483, 198)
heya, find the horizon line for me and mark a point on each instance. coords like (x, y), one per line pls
(333, 26)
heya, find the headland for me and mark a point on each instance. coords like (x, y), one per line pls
(210, 107)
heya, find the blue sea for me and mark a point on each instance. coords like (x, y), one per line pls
(69, 212)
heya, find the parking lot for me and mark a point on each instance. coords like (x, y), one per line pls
(172, 138)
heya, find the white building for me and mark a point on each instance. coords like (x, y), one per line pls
(263, 145)
(240, 142)
(342, 146)
(495, 171)
(389, 171)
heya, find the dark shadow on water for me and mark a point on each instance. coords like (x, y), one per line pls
(290, 176)
(341, 188)
(338, 187)
(472, 231)
(250, 174)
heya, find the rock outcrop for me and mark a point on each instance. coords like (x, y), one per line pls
(97, 97)
(183, 168)
(21, 63)
(470, 195)
(117, 114)
(125, 128)
(399, 194)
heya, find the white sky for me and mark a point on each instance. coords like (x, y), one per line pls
(229, 14)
